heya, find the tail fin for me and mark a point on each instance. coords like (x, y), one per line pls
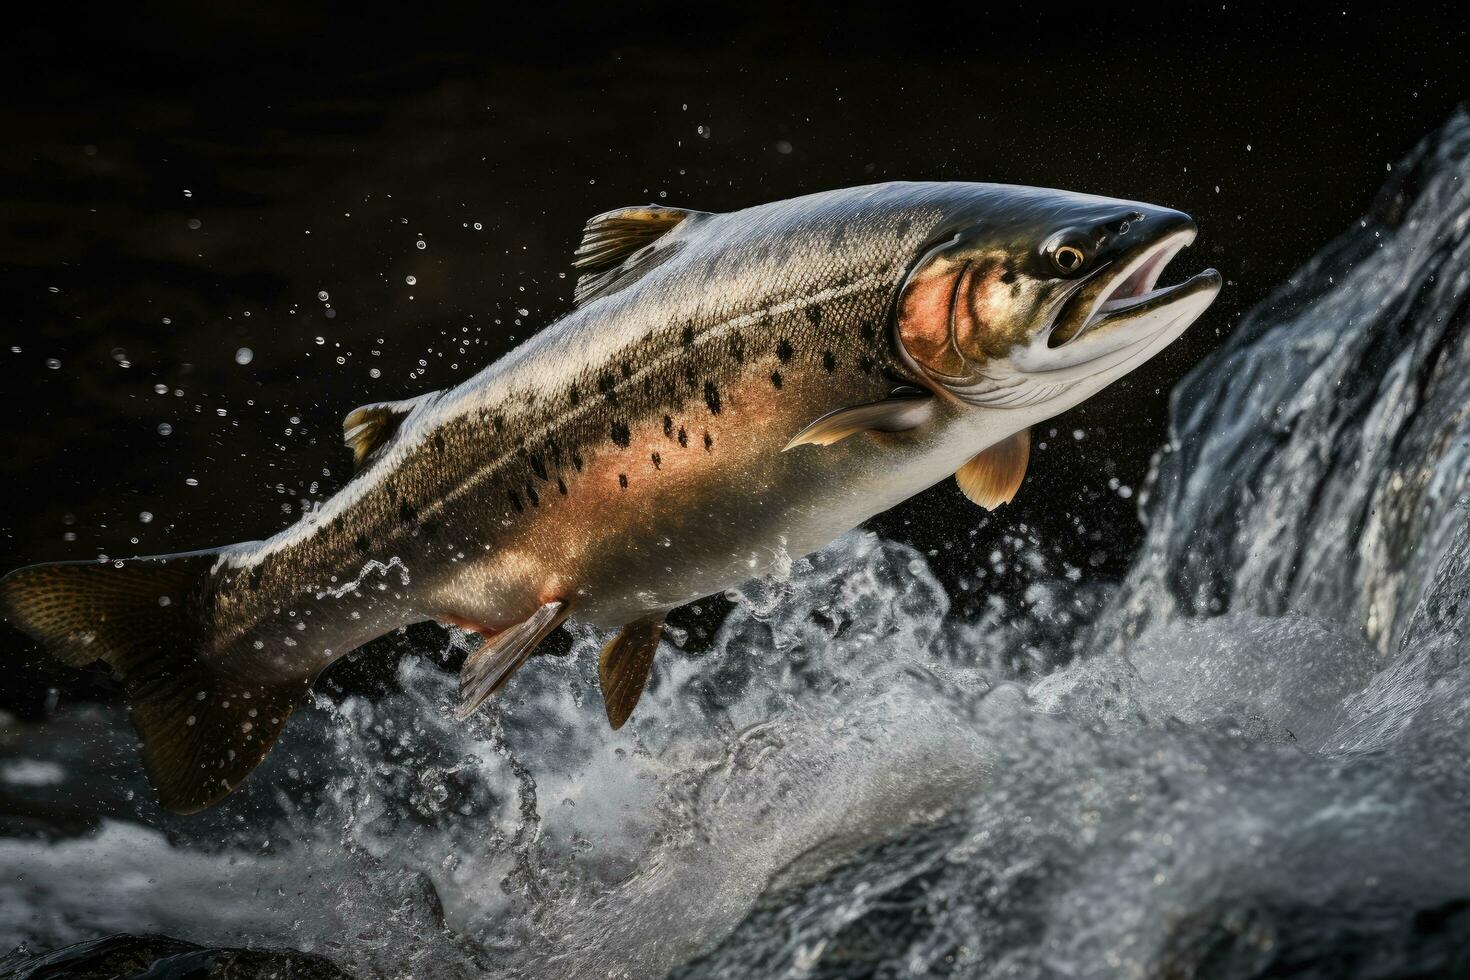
(206, 717)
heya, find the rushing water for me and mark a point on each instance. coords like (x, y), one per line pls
(1249, 757)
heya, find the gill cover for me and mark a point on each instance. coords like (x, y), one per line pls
(932, 307)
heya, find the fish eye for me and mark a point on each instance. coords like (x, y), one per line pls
(1068, 259)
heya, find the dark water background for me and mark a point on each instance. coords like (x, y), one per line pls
(178, 183)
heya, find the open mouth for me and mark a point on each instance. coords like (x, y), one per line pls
(1128, 291)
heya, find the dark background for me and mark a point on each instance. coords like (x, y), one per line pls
(177, 183)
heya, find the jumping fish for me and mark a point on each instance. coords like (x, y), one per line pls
(726, 389)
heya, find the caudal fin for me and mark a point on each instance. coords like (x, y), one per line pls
(206, 716)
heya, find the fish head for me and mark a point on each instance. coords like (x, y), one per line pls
(1045, 296)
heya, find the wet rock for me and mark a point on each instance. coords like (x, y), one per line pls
(1314, 460)
(161, 958)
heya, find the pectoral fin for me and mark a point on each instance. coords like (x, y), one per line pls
(993, 477)
(897, 413)
(624, 665)
(488, 668)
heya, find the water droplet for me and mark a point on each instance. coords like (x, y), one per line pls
(52, 363)
(323, 296)
(146, 517)
(188, 193)
(411, 280)
(244, 355)
(160, 389)
(191, 481)
(164, 429)
(375, 373)
(421, 244)
(478, 226)
(195, 224)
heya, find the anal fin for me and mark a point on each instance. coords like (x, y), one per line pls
(993, 477)
(624, 665)
(488, 668)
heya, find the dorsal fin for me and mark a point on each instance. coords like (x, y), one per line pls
(368, 428)
(612, 241)
(993, 477)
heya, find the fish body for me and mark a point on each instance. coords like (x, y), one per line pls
(730, 391)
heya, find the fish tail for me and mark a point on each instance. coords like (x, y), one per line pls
(207, 712)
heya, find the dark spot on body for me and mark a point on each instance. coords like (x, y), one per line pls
(668, 426)
(574, 396)
(532, 496)
(691, 377)
(438, 443)
(1008, 277)
(712, 397)
(648, 384)
(687, 337)
(737, 348)
(657, 461)
(829, 361)
(561, 486)
(709, 441)
(683, 437)
(776, 379)
(784, 350)
(605, 385)
(428, 529)
(904, 226)
(392, 489)
(577, 461)
(407, 512)
(620, 435)
(255, 574)
(361, 543)
(338, 523)
(866, 364)
(537, 466)
(498, 422)
(868, 329)
(623, 480)
(515, 500)
(627, 370)
(814, 314)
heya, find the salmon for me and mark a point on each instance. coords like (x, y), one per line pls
(727, 392)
